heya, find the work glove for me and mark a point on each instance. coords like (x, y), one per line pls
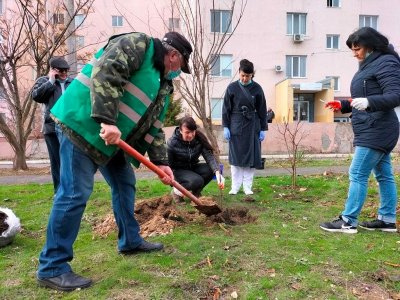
(220, 180)
(360, 103)
(334, 105)
(227, 134)
(261, 136)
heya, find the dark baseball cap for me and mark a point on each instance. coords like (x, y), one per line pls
(180, 43)
(59, 63)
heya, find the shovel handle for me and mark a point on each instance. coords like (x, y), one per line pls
(134, 153)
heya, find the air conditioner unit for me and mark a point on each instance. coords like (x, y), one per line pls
(278, 68)
(298, 38)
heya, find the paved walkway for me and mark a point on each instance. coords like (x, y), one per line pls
(145, 174)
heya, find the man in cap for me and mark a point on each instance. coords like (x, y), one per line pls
(47, 90)
(123, 93)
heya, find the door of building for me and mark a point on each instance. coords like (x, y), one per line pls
(303, 107)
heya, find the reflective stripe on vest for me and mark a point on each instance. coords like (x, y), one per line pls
(73, 108)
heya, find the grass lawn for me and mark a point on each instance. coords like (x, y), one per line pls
(282, 255)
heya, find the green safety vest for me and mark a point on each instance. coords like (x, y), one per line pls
(73, 109)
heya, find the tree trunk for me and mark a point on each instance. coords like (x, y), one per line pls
(19, 161)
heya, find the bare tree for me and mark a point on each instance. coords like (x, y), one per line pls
(292, 135)
(30, 38)
(196, 88)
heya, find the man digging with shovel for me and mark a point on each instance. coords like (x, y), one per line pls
(122, 94)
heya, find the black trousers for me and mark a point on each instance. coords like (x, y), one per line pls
(194, 179)
(53, 147)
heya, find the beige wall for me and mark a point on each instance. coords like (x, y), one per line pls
(317, 138)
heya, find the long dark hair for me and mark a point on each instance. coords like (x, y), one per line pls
(190, 124)
(371, 39)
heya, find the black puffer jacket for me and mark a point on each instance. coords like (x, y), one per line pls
(185, 155)
(48, 93)
(378, 80)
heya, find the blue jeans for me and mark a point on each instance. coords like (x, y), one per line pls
(364, 161)
(76, 185)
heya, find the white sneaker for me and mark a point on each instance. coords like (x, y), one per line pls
(248, 192)
(232, 192)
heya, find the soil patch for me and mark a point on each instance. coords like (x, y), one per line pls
(159, 216)
(30, 171)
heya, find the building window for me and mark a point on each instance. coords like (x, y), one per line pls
(296, 23)
(332, 41)
(58, 19)
(221, 21)
(296, 66)
(117, 21)
(174, 24)
(79, 18)
(222, 66)
(216, 108)
(368, 21)
(80, 41)
(336, 85)
(333, 3)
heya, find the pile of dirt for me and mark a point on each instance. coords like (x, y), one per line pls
(159, 216)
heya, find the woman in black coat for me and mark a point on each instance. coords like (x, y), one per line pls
(184, 149)
(375, 90)
(244, 118)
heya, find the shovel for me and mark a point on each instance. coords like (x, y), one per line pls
(208, 209)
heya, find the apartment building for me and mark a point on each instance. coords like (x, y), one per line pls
(298, 46)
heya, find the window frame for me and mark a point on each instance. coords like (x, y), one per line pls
(302, 63)
(333, 3)
(79, 19)
(336, 82)
(58, 19)
(119, 21)
(224, 24)
(331, 38)
(224, 70)
(174, 24)
(216, 108)
(290, 23)
(362, 19)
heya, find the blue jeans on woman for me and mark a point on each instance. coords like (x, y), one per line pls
(364, 161)
(76, 185)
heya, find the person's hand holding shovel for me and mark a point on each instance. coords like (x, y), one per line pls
(112, 135)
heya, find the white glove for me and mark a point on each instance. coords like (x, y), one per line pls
(177, 192)
(220, 180)
(360, 103)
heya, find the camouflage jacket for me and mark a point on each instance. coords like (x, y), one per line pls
(122, 57)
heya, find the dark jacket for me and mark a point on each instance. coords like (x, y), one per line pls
(44, 91)
(378, 80)
(185, 155)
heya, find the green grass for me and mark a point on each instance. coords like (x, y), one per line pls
(283, 255)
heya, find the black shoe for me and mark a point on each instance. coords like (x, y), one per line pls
(144, 247)
(379, 225)
(65, 282)
(338, 225)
